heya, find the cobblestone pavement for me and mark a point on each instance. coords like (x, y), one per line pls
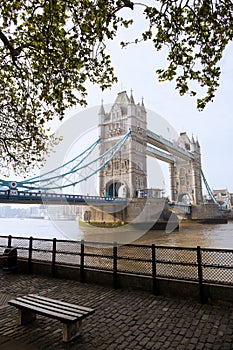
(123, 320)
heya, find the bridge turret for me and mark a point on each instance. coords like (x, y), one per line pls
(131, 99)
(143, 109)
(131, 108)
(103, 119)
(192, 144)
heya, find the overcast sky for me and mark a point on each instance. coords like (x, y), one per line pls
(135, 68)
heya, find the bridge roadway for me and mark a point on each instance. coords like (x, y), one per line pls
(165, 145)
(20, 197)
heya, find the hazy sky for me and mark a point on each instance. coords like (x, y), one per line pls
(135, 68)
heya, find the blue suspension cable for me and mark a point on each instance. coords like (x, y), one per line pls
(38, 178)
(28, 184)
(208, 188)
(119, 143)
(88, 151)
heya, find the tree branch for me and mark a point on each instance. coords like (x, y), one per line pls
(4, 141)
(7, 43)
(128, 3)
(14, 52)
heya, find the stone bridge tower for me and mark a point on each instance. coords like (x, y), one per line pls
(127, 172)
(185, 175)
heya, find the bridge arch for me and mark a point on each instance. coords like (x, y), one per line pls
(185, 198)
(117, 188)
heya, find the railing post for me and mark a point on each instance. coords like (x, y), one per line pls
(9, 241)
(200, 275)
(82, 254)
(30, 255)
(115, 279)
(54, 257)
(153, 261)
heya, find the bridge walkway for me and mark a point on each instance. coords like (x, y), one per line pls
(15, 196)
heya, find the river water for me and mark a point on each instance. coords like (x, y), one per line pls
(189, 235)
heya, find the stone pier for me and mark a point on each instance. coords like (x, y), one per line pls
(208, 213)
(153, 212)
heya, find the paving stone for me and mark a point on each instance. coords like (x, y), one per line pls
(179, 346)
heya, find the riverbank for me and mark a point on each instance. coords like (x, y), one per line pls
(122, 319)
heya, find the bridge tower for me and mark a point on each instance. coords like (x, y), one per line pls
(185, 174)
(127, 172)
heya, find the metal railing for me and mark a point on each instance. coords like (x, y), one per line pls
(16, 196)
(201, 265)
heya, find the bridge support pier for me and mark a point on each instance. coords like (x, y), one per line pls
(109, 215)
(149, 213)
(208, 213)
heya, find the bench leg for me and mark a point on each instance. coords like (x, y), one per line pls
(25, 316)
(71, 330)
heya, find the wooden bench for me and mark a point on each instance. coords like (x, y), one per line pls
(69, 314)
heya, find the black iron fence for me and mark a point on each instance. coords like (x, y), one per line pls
(201, 265)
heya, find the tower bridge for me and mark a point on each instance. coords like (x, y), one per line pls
(127, 173)
(121, 167)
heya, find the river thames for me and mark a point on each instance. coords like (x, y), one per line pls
(190, 234)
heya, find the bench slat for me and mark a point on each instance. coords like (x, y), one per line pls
(52, 306)
(62, 304)
(43, 312)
